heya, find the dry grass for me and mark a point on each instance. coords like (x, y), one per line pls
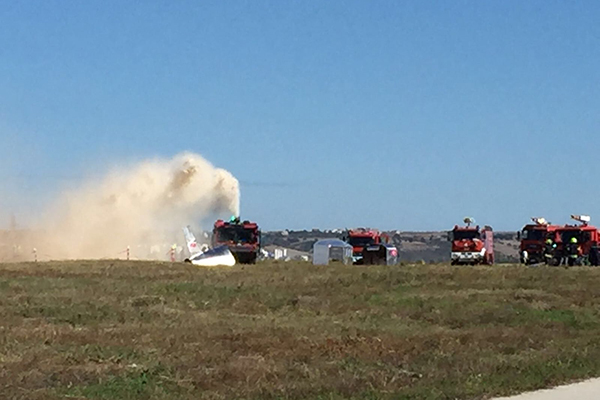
(143, 330)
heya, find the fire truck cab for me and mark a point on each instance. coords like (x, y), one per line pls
(363, 237)
(578, 244)
(471, 245)
(242, 238)
(532, 240)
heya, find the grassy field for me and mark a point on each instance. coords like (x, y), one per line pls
(146, 330)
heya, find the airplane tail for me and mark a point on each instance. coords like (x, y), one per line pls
(190, 240)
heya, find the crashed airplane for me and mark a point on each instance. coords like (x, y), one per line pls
(205, 257)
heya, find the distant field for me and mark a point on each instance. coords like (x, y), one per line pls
(146, 330)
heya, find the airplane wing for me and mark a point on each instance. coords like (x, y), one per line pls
(190, 240)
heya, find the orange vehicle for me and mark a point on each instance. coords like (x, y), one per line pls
(360, 238)
(242, 239)
(577, 244)
(533, 238)
(471, 245)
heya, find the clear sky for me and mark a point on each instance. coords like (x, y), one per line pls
(394, 114)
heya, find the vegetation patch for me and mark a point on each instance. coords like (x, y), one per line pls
(144, 330)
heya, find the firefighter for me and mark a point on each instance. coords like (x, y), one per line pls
(573, 251)
(594, 256)
(550, 251)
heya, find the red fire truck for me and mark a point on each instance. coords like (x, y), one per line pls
(471, 245)
(577, 244)
(362, 237)
(533, 238)
(242, 238)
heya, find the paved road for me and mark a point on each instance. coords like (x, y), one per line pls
(587, 390)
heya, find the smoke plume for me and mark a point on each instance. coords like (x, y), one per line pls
(139, 206)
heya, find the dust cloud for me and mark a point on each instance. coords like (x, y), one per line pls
(142, 206)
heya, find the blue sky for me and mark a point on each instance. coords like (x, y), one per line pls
(393, 114)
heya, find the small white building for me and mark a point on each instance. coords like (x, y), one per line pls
(280, 254)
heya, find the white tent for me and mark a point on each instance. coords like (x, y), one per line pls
(326, 250)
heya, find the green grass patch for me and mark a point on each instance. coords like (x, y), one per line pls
(143, 330)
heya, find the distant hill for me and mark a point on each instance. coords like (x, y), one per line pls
(412, 246)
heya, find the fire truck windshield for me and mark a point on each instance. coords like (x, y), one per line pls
(466, 235)
(533, 234)
(565, 236)
(235, 234)
(360, 241)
